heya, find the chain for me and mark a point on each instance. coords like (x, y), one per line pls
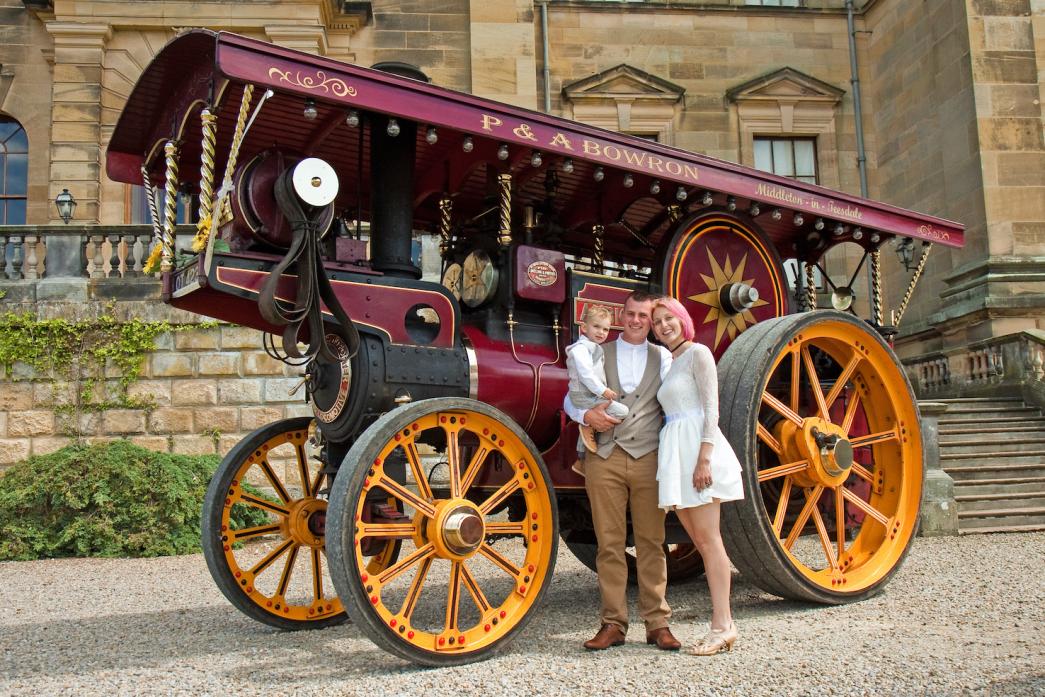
(914, 281)
(446, 207)
(810, 287)
(170, 205)
(876, 287)
(206, 224)
(597, 232)
(505, 233)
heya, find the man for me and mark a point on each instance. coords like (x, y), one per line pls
(623, 471)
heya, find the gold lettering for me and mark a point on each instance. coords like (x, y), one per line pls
(524, 131)
(677, 168)
(655, 162)
(591, 147)
(611, 149)
(562, 141)
(490, 121)
(691, 172)
(633, 158)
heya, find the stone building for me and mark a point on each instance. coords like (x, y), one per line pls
(951, 101)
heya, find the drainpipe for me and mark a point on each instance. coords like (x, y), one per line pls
(547, 68)
(861, 152)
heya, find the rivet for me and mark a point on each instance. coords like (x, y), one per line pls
(462, 420)
(363, 578)
(224, 528)
(250, 589)
(486, 431)
(533, 515)
(534, 538)
(329, 607)
(460, 640)
(238, 574)
(522, 465)
(311, 611)
(377, 461)
(522, 589)
(503, 614)
(452, 640)
(529, 485)
(228, 501)
(366, 482)
(373, 600)
(530, 568)
(268, 604)
(501, 443)
(286, 609)
(442, 641)
(442, 419)
(398, 437)
(414, 426)
(392, 622)
(410, 634)
(487, 627)
(226, 548)
(402, 628)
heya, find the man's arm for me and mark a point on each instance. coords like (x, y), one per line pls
(595, 417)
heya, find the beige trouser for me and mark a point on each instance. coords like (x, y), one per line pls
(611, 484)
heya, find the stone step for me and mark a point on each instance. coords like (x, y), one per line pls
(979, 413)
(1032, 527)
(969, 520)
(993, 445)
(976, 471)
(994, 458)
(1014, 512)
(998, 485)
(1018, 430)
(1003, 501)
(980, 403)
(1003, 421)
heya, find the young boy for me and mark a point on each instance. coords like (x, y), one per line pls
(586, 365)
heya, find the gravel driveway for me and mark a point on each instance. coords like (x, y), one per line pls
(964, 616)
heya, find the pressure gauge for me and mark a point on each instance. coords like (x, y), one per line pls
(479, 279)
(452, 279)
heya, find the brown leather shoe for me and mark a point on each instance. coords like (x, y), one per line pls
(608, 635)
(664, 639)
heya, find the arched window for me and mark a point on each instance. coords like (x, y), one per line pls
(14, 171)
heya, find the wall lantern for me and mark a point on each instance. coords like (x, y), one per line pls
(905, 250)
(66, 205)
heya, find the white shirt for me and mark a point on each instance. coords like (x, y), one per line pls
(631, 364)
(591, 377)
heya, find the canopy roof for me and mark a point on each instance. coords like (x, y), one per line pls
(202, 67)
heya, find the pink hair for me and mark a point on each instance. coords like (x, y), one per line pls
(675, 308)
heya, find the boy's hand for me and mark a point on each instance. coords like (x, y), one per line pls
(609, 394)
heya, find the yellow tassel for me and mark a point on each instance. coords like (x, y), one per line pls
(199, 242)
(152, 264)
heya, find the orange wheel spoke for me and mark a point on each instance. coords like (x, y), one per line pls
(317, 575)
(453, 462)
(825, 539)
(781, 408)
(402, 493)
(862, 472)
(766, 437)
(262, 503)
(288, 570)
(499, 496)
(840, 521)
(781, 507)
(414, 593)
(839, 385)
(491, 554)
(474, 590)
(316, 481)
(812, 496)
(782, 470)
(275, 481)
(508, 528)
(814, 382)
(393, 571)
(473, 468)
(796, 379)
(396, 531)
(418, 471)
(865, 507)
(850, 412)
(453, 597)
(872, 438)
(306, 481)
(256, 531)
(271, 557)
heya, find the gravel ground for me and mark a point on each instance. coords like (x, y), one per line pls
(964, 616)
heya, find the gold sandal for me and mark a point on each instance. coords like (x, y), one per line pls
(716, 641)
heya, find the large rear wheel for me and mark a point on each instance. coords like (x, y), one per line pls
(479, 531)
(822, 416)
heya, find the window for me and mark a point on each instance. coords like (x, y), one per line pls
(14, 171)
(789, 157)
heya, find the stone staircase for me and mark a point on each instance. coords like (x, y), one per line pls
(994, 449)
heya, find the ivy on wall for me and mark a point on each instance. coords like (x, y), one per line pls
(100, 357)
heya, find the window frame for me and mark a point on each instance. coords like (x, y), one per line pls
(5, 152)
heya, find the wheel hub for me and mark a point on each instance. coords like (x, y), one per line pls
(828, 450)
(307, 522)
(457, 530)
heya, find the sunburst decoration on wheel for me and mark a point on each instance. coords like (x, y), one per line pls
(721, 277)
(728, 276)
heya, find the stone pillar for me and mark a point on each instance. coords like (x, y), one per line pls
(939, 513)
(503, 61)
(310, 39)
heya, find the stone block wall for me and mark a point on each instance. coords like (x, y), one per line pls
(209, 386)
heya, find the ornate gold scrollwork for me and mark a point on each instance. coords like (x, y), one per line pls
(330, 85)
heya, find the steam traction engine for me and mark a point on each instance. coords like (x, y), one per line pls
(426, 496)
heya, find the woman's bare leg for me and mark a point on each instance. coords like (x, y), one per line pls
(702, 525)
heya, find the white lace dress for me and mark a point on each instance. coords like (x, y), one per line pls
(689, 396)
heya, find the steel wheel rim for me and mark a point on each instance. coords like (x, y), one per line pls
(799, 473)
(289, 532)
(496, 621)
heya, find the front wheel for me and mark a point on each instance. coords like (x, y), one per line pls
(479, 541)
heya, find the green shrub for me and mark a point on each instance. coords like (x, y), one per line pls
(107, 500)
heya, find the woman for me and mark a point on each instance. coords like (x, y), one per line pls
(697, 469)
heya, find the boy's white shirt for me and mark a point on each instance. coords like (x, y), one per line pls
(582, 354)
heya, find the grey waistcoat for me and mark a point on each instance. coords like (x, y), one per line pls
(639, 433)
